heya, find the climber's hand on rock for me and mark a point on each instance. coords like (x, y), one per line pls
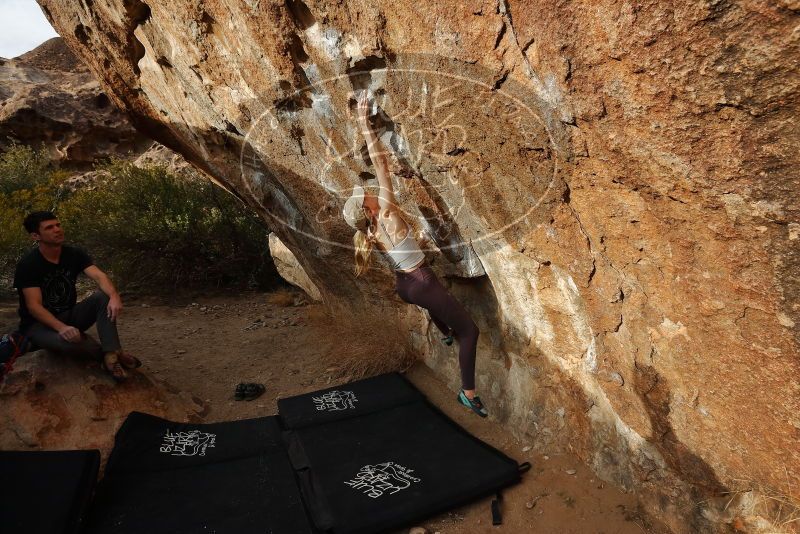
(363, 110)
(363, 103)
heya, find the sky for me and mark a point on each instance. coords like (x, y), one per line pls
(22, 27)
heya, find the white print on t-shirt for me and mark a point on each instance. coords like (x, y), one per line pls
(335, 400)
(191, 443)
(379, 479)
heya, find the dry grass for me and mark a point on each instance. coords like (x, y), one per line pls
(284, 298)
(367, 348)
(780, 511)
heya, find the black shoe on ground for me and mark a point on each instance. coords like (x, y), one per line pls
(248, 391)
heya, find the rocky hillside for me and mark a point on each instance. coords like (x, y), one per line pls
(611, 188)
(47, 96)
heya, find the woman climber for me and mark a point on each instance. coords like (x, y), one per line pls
(379, 223)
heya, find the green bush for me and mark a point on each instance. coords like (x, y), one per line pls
(152, 230)
(22, 167)
(27, 183)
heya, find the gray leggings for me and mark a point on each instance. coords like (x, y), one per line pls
(421, 287)
(82, 316)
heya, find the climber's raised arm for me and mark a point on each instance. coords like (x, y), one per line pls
(386, 198)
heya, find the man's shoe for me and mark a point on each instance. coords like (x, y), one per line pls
(128, 360)
(473, 404)
(114, 369)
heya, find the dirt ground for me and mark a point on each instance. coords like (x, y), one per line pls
(205, 346)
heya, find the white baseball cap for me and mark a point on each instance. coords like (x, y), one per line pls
(353, 210)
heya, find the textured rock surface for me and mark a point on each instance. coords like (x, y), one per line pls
(611, 188)
(160, 155)
(290, 269)
(155, 155)
(47, 96)
(51, 402)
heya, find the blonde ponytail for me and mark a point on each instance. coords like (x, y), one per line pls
(363, 245)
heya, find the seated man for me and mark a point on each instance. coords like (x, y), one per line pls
(49, 315)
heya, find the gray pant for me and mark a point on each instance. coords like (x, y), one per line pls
(85, 313)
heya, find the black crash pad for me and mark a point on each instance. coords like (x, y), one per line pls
(390, 468)
(45, 492)
(146, 443)
(166, 477)
(349, 400)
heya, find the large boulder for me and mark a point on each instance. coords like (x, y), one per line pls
(610, 188)
(50, 98)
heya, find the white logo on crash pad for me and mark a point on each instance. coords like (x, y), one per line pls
(335, 400)
(191, 443)
(380, 479)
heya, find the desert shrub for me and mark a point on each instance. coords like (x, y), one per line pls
(27, 183)
(23, 167)
(152, 230)
(155, 230)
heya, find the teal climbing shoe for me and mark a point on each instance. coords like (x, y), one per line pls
(473, 404)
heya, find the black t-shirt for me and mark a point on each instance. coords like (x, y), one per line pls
(57, 281)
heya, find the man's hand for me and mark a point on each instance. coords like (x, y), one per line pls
(70, 333)
(114, 302)
(114, 307)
